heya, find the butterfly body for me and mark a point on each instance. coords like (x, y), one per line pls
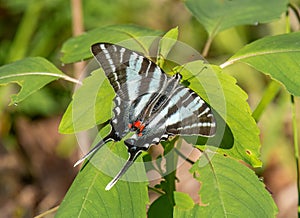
(148, 102)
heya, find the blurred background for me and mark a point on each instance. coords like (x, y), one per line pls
(36, 162)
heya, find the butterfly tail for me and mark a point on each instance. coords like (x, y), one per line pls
(109, 137)
(132, 156)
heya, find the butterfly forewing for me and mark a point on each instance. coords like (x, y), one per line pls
(130, 74)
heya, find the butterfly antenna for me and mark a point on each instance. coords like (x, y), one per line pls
(109, 137)
(132, 156)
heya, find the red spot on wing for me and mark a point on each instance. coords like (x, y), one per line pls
(138, 125)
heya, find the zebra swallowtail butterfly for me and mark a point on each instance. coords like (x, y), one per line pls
(148, 102)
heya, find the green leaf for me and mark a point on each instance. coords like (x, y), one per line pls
(229, 101)
(91, 104)
(78, 48)
(183, 201)
(185, 206)
(216, 15)
(31, 74)
(161, 207)
(87, 196)
(166, 44)
(228, 189)
(277, 56)
(41, 103)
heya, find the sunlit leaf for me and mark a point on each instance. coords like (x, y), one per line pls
(31, 74)
(183, 201)
(230, 102)
(277, 56)
(166, 44)
(228, 189)
(91, 104)
(87, 196)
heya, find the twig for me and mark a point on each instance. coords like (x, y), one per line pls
(77, 27)
(52, 210)
(156, 190)
(296, 146)
(183, 156)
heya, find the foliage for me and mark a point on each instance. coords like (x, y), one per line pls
(228, 187)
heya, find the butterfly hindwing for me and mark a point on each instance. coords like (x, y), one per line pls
(182, 112)
(189, 114)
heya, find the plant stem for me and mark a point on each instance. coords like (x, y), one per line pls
(270, 93)
(78, 29)
(28, 24)
(296, 147)
(156, 190)
(296, 10)
(171, 163)
(52, 210)
(207, 46)
(183, 156)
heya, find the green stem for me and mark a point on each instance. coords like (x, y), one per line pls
(171, 163)
(19, 46)
(183, 156)
(296, 148)
(207, 45)
(270, 93)
(156, 190)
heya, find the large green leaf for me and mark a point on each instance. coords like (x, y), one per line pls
(228, 189)
(87, 196)
(229, 100)
(216, 15)
(31, 74)
(91, 104)
(277, 56)
(78, 48)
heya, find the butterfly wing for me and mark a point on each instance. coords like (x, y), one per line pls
(184, 113)
(134, 78)
(130, 74)
(189, 114)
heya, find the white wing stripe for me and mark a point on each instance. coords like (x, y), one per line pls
(122, 51)
(108, 57)
(204, 112)
(142, 104)
(148, 68)
(133, 79)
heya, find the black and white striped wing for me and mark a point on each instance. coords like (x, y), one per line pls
(130, 74)
(134, 78)
(157, 105)
(188, 114)
(184, 114)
